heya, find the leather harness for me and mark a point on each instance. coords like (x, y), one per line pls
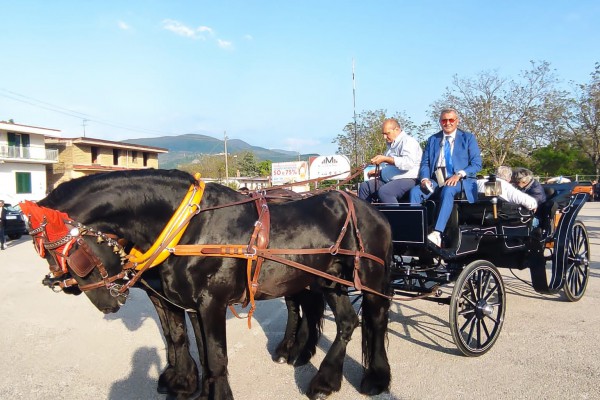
(256, 251)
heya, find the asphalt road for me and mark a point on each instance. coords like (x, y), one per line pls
(57, 346)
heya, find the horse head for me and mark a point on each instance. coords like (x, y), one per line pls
(81, 224)
(71, 253)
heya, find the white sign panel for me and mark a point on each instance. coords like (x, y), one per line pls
(289, 172)
(330, 165)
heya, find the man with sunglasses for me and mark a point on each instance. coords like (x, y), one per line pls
(399, 166)
(449, 165)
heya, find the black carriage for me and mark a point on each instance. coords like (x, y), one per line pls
(480, 238)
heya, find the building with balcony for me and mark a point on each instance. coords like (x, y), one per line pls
(23, 161)
(82, 156)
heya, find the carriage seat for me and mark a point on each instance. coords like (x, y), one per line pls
(482, 212)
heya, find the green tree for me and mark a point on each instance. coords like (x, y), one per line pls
(264, 168)
(583, 119)
(247, 164)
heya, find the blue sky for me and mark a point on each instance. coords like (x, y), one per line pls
(276, 74)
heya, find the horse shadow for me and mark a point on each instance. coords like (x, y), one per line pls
(273, 325)
(137, 310)
(139, 383)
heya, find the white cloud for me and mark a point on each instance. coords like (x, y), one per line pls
(178, 28)
(205, 29)
(200, 32)
(248, 37)
(224, 44)
(123, 25)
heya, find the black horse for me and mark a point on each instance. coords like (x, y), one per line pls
(136, 205)
(179, 379)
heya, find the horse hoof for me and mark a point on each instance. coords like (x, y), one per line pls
(281, 360)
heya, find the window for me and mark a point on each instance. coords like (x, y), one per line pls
(18, 145)
(115, 157)
(23, 180)
(134, 156)
(145, 159)
(94, 155)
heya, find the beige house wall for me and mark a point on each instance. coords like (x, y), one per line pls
(74, 158)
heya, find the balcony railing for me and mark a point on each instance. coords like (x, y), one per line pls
(28, 153)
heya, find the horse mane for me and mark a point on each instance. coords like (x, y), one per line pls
(66, 189)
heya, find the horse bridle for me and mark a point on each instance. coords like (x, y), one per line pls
(81, 259)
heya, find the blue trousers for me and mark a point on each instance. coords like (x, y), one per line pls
(390, 192)
(447, 194)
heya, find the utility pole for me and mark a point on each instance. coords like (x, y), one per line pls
(83, 124)
(226, 165)
(354, 110)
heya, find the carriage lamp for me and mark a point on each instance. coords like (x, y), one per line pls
(492, 187)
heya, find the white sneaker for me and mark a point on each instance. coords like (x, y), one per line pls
(435, 238)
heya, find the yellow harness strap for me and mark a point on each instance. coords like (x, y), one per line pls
(189, 205)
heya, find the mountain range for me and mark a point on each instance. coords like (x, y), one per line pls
(184, 149)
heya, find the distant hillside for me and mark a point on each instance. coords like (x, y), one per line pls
(184, 149)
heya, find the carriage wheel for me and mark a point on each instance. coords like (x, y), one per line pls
(477, 308)
(578, 262)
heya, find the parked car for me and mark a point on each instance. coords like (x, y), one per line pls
(15, 223)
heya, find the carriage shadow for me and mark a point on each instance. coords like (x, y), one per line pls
(517, 286)
(421, 328)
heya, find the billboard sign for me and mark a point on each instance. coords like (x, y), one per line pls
(289, 172)
(323, 166)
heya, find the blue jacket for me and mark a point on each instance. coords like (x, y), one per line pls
(535, 190)
(466, 156)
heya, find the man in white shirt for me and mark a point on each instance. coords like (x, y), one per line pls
(509, 192)
(399, 166)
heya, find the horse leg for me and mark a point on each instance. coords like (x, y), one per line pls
(377, 376)
(180, 377)
(312, 305)
(212, 323)
(201, 350)
(329, 376)
(282, 352)
(302, 332)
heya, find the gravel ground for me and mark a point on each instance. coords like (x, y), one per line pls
(59, 346)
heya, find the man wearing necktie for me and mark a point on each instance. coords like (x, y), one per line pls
(450, 156)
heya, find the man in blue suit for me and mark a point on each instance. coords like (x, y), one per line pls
(451, 157)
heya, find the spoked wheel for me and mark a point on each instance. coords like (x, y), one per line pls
(477, 308)
(578, 262)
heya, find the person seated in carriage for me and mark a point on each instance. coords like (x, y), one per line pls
(399, 166)
(449, 165)
(523, 179)
(509, 193)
